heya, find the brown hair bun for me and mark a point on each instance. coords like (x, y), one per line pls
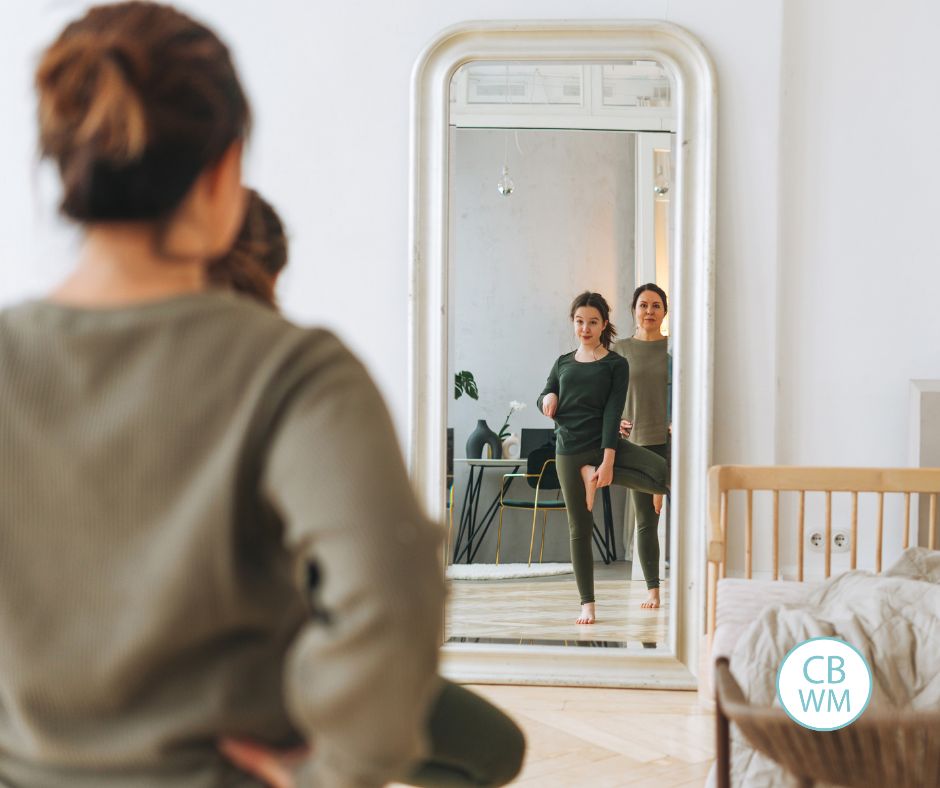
(135, 100)
(86, 98)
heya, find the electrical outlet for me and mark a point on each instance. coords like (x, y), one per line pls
(841, 542)
(816, 541)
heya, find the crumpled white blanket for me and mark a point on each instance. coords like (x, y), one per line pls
(892, 618)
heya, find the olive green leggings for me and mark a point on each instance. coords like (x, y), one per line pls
(634, 466)
(472, 743)
(647, 529)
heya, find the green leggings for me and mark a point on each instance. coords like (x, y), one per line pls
(472, 743)
(647, 529)
(634, 466)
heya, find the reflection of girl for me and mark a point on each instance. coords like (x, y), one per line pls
(645, 417)
(174, 461)
(585, 395)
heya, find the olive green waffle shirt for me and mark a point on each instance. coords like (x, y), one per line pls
(647, 403)
(167, 473)
(590, 400)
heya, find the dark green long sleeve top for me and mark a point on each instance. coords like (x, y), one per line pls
(591, 397)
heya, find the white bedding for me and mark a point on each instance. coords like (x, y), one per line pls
(892, 618)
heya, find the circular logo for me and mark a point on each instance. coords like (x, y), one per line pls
(824, 684)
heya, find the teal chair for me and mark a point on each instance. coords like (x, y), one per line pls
(542, 477)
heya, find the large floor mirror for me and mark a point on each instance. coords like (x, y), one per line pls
(549, 159)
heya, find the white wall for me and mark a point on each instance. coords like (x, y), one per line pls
(860, 253)
(859, 259)
(827, 257)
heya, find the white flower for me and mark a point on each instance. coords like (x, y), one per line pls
(516, 405)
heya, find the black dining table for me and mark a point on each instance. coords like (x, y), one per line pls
(473, 527)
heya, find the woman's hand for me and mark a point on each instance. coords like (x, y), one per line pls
(626, 427)
(550, 405)
(273, 767)
(604, 474)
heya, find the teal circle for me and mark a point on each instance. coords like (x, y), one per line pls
(871, 684)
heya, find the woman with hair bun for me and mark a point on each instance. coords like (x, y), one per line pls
(190, 574)
(585, 395)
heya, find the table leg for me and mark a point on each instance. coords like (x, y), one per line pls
(467, 513)
(490, 514)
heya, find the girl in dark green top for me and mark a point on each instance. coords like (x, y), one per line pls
(585, 395)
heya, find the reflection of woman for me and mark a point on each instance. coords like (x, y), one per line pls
(471, 741)
(175, 460)
(585, 395)
(645, 417)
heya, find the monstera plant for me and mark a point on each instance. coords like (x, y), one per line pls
(465, 384)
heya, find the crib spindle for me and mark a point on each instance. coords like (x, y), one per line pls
(828, 533)
(879, 545)
(932, 533)
(907, 520)
(776, 535)
(748, 536)
(724, 533)
(801, 535)
(854, 547)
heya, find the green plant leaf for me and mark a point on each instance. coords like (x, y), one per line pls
(465, 384)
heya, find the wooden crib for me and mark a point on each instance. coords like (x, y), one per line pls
(732, 603)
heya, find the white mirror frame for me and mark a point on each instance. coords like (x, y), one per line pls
(694, 94)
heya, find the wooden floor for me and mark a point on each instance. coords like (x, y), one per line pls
(545, 608)
(602, 738)
(596, 738)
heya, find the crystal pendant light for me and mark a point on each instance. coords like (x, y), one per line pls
(505, 185)
(661, 180)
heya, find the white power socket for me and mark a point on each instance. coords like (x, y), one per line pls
(841, 541)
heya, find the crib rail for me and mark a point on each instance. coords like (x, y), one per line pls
(751, 479)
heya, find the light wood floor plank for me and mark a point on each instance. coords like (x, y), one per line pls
(604, 738)
(546, 608)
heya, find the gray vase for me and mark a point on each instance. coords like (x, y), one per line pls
(480, 437)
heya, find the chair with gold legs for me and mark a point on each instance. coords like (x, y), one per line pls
(542, 477)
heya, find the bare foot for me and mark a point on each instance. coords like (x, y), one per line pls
(652, 600)
(587, 614)
(590, 485)
(657, 503)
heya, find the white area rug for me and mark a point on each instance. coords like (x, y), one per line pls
(504, 571)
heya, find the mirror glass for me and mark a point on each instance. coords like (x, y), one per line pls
(560, 179)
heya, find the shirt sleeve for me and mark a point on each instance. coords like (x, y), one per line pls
(359, 682)
(551, 385)
(616, 399)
